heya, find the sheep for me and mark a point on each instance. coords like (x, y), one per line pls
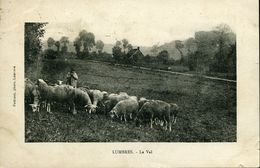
(31, 94)
(29, 91)
(124, 108)
(97, 98)
(112, 99)
(59, 82)
(141, 101)
(83, 98)
(158, 109)
(63, 93)
(36, 102)
(175, 109)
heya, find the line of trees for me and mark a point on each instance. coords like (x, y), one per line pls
(212, 50)
(207, 51)
(57, 49)
(121, 50)
(84, 45)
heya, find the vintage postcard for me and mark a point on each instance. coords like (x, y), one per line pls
(129, 83)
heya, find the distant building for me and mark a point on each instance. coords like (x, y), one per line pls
(135, 54)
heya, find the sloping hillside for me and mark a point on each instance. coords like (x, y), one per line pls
(208, 108)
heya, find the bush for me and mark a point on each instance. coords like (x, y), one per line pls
(105, 57)
(55, 69)
(163, 56)
(50, 54)
(93, 54)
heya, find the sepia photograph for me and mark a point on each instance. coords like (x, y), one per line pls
(139, 83)
(80, 87)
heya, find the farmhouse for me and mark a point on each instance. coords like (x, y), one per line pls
(135, 54)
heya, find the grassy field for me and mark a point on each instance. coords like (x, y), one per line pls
(208, 108)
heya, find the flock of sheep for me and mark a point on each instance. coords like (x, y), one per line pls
(41, 95)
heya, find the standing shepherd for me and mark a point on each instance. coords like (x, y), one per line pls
(72, 78)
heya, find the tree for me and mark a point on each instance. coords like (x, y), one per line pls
(192, 60)
(64, 41)
(179, 45)
(147, 58)
(206, 50)
(82, 34)
(32, 41)
(163, 56)
(117, 51)
(87, 39)
(90, 40)
(118, 43)
(129, 47)
(50, 42)
(232, 56)
(57, 44)
(125, 43)
(50, 53)
(191, 45)
(225, 39)
(64, 49)
(155, 49)
(77, 45)
(99, 46)
(223, 29)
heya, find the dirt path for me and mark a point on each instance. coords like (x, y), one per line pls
(164, 71)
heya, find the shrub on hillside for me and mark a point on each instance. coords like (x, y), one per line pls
(50, 54)
(55, 69)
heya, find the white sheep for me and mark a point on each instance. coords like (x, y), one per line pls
(63, 93)
(157, 109)
(124, 108)
(97, 98)
(112, 99)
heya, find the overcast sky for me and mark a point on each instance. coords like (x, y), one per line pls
(143, 23)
